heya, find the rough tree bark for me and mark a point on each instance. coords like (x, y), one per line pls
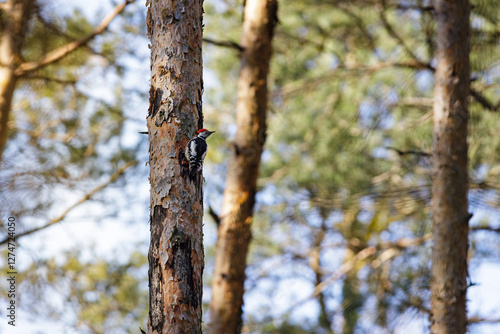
(449, 206)
(243, 168)
(176, 250)
(14, 22)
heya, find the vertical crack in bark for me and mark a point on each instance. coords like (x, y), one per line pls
(156, 302)
(181, 264)
(155, 97)
(184, 165)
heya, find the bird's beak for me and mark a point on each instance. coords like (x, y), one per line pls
(211, 132)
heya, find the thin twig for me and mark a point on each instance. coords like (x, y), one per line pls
(49, 79)
(311, 83)
(412, 101)
(415, 7)
(390, 30)
(485, 228)
(214, 216)
(478, 319)
(54, 28)
(343, 269)
(366, 253)
(410, 152)
(64, 50)
(483, 101)
(226, 44)
(363, 255)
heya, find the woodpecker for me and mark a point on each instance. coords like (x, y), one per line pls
(196, 151)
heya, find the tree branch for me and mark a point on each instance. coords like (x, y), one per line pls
(416, 64)
(312, 83)
(415, 7)
(49, 79)
(485, 228)
(401, 153)
(390, 250)
(58, 219)
(478, 319)
(54, 28)
(214, 216)
(390, 30)
(418, 304)
(64, 50)
(344, 269)
(226, 44)
(483, 101)
(420, 102)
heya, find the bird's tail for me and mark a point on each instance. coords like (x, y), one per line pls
(194, 171)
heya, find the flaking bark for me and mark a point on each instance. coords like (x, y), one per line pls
(176, 250)
(449, 206)
(239, 195)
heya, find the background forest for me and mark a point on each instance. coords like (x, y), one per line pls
(341, 227)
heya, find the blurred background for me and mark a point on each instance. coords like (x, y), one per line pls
(346, 166)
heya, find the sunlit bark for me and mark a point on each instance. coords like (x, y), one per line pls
(15, 21)
(176, 250)
(243, 168)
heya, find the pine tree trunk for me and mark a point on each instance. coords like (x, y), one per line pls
(14, 23)
(324, 320)
(243, 167)
(176, 251)
(449, 207)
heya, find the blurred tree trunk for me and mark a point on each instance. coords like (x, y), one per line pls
(14, 21)
(315, 264)
(176, 250)
(449, 206)
(243, 167)
(356, 237)
(352, 299)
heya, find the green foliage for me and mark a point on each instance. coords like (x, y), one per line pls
(64, 134)
(349, 143)
(352, 302)
(105, 295)
(66, 143)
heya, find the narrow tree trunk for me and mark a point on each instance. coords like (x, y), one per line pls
(176, 250)
(243, 168)
(450, 215)
(323, 317)
(352, 299)
(14, 23)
